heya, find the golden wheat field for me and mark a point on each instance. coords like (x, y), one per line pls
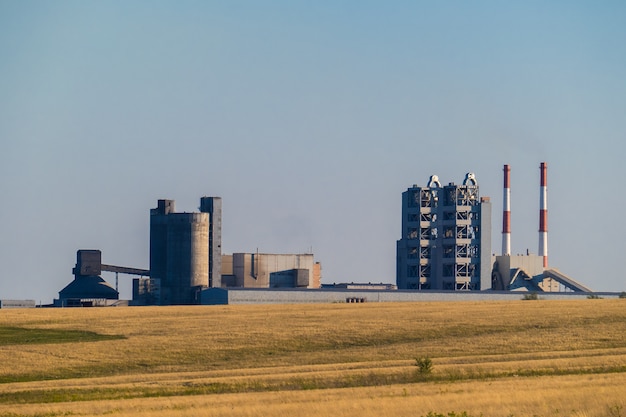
(515, 358)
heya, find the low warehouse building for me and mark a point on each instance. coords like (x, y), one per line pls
(18, 304)
(222, 296)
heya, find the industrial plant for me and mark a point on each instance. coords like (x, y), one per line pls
(185, 261)
(529, 272)
(446, 242)
(444, 252)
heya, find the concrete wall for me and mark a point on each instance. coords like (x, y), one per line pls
(227, 264)
(532, 264)
(17, 304)
(213, 296)
(317, 275)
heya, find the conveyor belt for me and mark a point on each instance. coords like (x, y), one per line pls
(565, 280)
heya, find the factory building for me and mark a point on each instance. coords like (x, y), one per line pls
(446, 237)
(186, 259)
(445, 247)
(267, 270)
(88, 288)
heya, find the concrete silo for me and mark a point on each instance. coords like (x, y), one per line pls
(179, 253)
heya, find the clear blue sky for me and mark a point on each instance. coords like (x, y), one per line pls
(309, 119)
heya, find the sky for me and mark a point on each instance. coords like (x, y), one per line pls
(309, 119)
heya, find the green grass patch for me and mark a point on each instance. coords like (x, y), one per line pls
(91, 371)
(296, 383)
(23, 336)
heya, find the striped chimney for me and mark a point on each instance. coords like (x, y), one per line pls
(506, 213)
(543, 214)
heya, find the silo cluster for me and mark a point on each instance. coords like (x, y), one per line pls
(180, 244)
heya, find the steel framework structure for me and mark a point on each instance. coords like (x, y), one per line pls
(446, 241)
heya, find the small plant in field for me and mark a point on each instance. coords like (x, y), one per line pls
(530, 296)
(616, 410)
(450, 414)
(622, 294)
(594, 297)
(424, 365)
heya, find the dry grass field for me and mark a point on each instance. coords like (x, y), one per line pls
(521, 358)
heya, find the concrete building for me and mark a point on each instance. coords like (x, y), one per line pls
(265, 270)
(179, 253)
(146, 292)
(88, 288)
(17, 304)
(186, 258)
(446, 237)
(521, 273)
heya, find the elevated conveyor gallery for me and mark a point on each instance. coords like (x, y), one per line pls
(522, 279)
(566, 281)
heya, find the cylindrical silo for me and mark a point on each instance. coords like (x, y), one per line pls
(187, 264)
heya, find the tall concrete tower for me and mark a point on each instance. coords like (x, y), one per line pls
(446, 237)
(543, 214)
(158, 237)
(213, 206)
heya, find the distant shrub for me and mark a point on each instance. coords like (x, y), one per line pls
(593, 297)
(622, 294)
(616, 410)
(530, 296)
(424, 365)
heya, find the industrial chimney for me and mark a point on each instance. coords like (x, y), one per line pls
(506, 213)
(543, 214)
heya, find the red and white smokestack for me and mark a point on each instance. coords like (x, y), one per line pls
(543, 215)
(506, 213)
